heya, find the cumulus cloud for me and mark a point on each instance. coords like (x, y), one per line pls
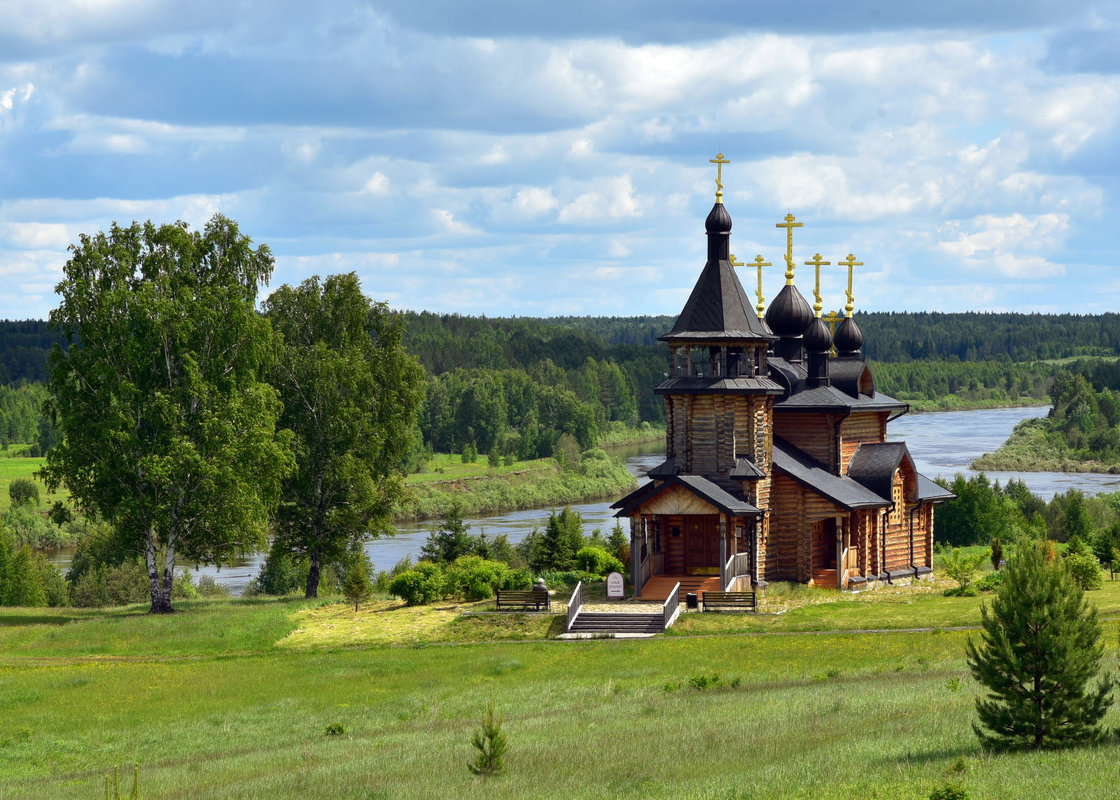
(446, 220)
(535, 139)
(612, 198)
(1010, 245)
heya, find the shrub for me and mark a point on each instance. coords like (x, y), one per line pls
(23, 491)
(949, 791)
(208, 587)
(24, 584)
(54, 585)
(183, 586)
(119, 585)
(419, 585)
(1085, 571)
(989, 583)
(597, 561)
(490, 743)
(356, 587)
(961, 566)
(559, 579)
(997, 553)
(281, 573)
(30, 527)
(476, 578)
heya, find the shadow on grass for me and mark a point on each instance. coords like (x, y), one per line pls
(13, 621)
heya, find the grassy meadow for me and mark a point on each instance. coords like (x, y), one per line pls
(236, 699)
(24, 467)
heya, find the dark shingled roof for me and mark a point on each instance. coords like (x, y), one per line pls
(745, 469)
(874, 463)
(809, 472)
(701, 487)
(846, 373)
(666, 469)
(693, 384)
(933, 492)
(802, 397)
(718, 308)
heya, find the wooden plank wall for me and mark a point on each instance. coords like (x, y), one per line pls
(813, 433)
(703, 423)
(857, 429)
(786, 519)
(897, 533)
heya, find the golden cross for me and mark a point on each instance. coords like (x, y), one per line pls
(789, 225)
(816, 262)
(719, 161)
(758, 262)
(849, 262)
(832, 319)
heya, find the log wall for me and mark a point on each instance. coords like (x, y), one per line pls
(813, 433)
(857, 429)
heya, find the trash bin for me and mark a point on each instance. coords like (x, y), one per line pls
(691, 601)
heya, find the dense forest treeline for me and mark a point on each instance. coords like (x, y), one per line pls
(518, 384)
(925, 335)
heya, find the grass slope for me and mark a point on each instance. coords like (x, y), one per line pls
(233, 699)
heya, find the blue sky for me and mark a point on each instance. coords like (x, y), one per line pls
(535, 159)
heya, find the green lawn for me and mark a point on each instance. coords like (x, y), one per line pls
(12, 468)
(225, 700)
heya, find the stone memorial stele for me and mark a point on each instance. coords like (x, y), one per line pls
(616, 589)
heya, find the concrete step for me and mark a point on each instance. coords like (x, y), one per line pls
(606, 622)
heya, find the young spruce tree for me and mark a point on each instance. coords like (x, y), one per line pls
(1040, 648)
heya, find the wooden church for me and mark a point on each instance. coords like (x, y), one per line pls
(777, 465)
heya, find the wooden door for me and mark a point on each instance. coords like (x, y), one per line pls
(702, 544)
(672, 542)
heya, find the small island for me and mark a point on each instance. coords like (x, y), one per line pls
(1081, 433)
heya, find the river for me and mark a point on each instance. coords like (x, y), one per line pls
(942, 444)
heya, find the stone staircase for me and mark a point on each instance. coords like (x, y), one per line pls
(617, 623)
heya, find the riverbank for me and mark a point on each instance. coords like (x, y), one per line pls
(1031, 448)
(480, 489)
(954, 403)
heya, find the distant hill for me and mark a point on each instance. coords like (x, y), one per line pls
(445, 342)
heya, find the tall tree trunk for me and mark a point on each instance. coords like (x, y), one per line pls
(313, 576)
(160, 583)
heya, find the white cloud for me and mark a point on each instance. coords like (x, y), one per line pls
(617, 249)
(378, 184)
(447, 221)
(613, 198)
(1011, 245)
(532, 201)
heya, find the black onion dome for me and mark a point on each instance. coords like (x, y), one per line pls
(817, 337)
(849, 338)
(789, 313)
(718, 221)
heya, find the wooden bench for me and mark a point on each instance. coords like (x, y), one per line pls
(536, 599)
(735, 601)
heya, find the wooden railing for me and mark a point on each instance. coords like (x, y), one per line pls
(738, 566)
(575, 603)
(672, 607)
(849, 563)
(644, 572)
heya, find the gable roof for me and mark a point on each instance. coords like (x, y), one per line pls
(840, 489)
(932, 491)
(701, 487)
(874, 463)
